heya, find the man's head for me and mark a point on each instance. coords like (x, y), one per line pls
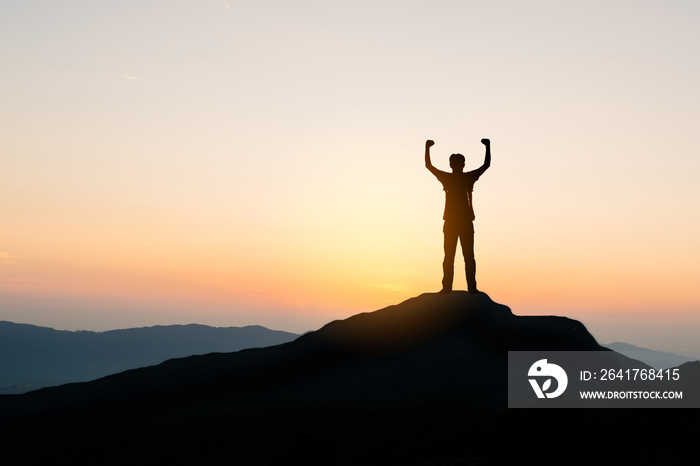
(457, 163)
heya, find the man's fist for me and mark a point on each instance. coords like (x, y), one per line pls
(429, 143)
(486, 142)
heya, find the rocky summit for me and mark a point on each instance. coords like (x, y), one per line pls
(420, 382)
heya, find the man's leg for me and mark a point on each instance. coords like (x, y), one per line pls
(466, 239)
(448, 264)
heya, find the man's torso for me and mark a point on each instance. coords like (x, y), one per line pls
(458, 195)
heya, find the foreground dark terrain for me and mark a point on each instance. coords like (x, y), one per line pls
(423, 382)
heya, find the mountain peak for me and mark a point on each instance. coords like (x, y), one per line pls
(424, 370)
(431, 315)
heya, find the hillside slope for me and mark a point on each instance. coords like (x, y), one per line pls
(422, 382)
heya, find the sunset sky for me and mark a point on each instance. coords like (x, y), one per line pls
(261, 162)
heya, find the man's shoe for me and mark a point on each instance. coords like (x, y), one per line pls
(474, 291)
(445, 291)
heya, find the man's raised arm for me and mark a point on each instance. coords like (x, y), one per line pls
(428, 163)
(487, 159)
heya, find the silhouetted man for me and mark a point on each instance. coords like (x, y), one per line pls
(459, 213)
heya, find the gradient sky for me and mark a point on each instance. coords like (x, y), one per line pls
(261, 162)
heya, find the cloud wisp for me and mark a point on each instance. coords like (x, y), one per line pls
(6, 258)
(136, 78)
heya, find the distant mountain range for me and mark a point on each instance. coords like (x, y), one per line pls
(656, 359)
(33, 357)
(423, 382)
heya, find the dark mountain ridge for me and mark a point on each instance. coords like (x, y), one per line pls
(422, 382)
(467, 334)
(656, 359)
(33, 357)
